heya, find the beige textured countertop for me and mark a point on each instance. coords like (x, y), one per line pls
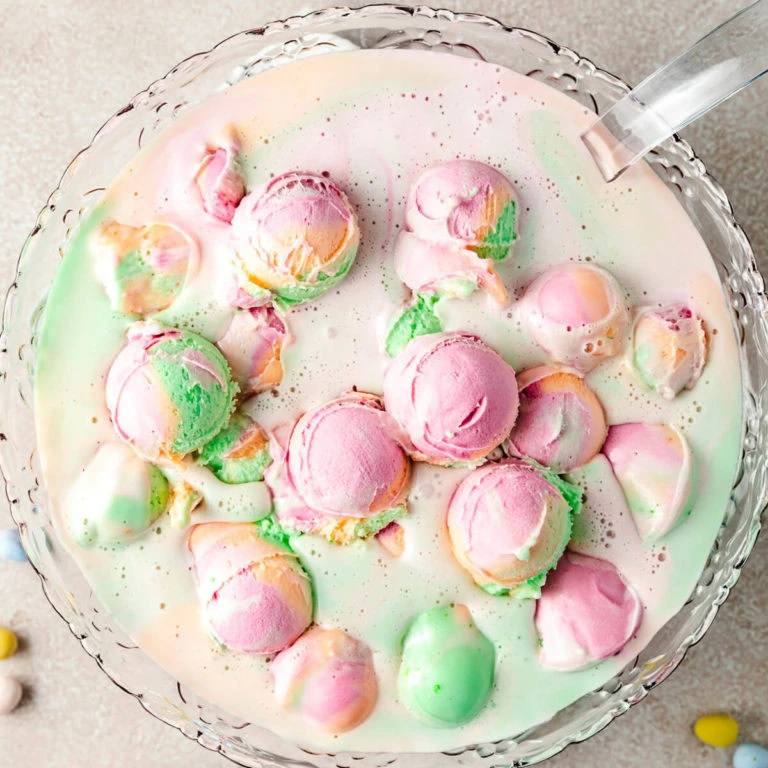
(67, 65)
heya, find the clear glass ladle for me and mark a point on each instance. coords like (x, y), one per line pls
(723, 62)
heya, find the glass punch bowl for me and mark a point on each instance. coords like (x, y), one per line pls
(152, 110)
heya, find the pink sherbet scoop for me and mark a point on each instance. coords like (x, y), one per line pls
(453, 395)
(587, 612)
(255, 596)
(344, 458)
(561, 423)
(508, 525)
(578, 314)
(328, 678)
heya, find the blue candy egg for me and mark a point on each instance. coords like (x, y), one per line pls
(10, 546)
(750, 756)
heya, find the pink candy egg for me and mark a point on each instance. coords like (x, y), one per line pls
(11, 693)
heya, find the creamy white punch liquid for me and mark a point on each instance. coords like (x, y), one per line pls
(374, 121)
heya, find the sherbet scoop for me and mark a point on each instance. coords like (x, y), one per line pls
(721, 63)
(254, 594)
(340, 471)
(587, 612)
(168, 391)
(509, 524)
(297, 236)
(328, 678)
(561, 422)
(453, 395)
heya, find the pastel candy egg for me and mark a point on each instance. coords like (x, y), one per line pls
(297, 236)
(253, 346)
(669, 348)
(578, 314)
(587, 612)
(509, 523)
(453, 396)
(255, 595)
(447, 668)
(717, 730)
(144, 269)
(10, 546)
(750, 756)
(239, 453)
(341, 471)
(654, 467)
(8, 643)
(560, 424)
(328, 678)
(10, 694)
(116, 497)
(464, 203)
(219, 181)
(168, 391)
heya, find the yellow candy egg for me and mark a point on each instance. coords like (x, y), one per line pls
(717, 730)
(8, 643)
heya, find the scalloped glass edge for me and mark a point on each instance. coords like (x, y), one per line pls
(243, 55)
